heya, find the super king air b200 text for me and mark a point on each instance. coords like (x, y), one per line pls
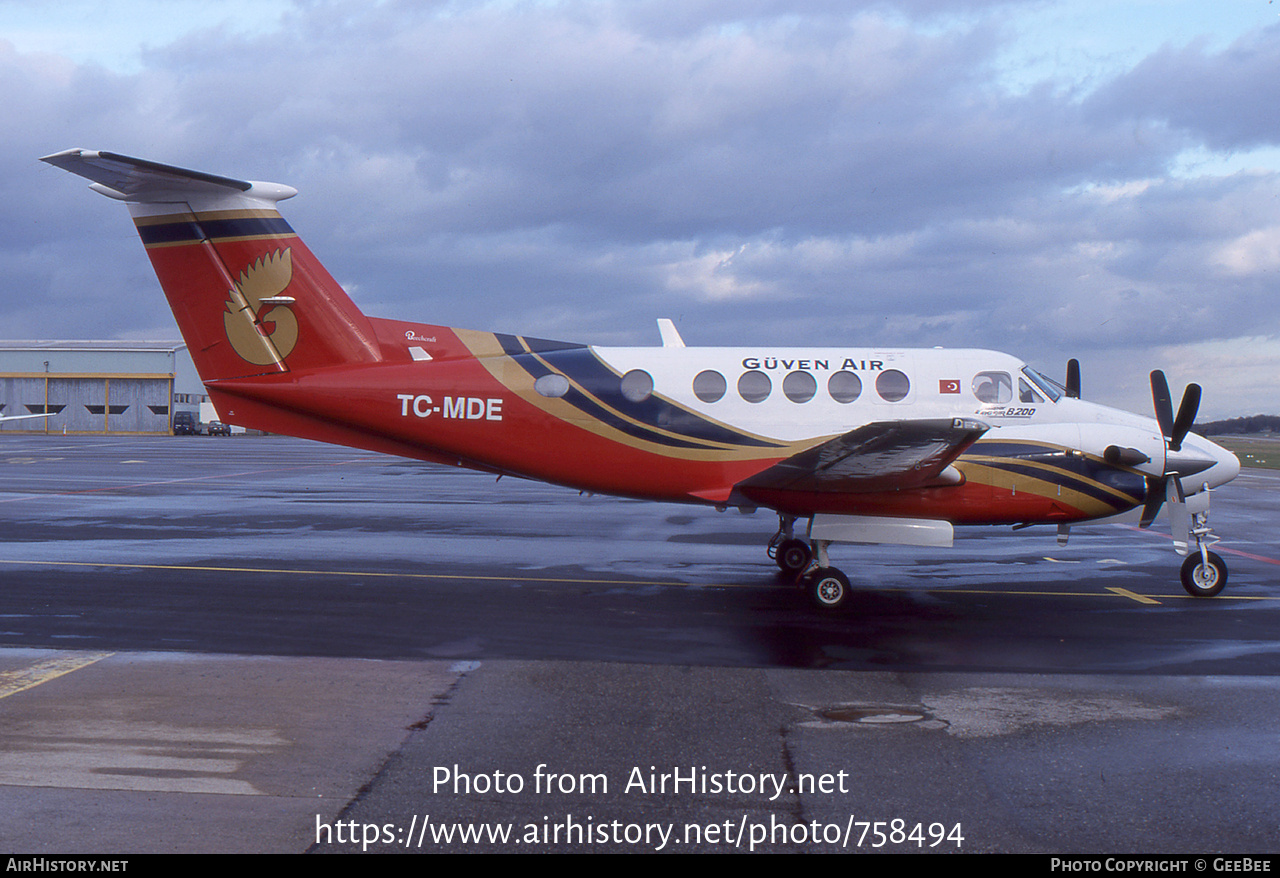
(865, 446)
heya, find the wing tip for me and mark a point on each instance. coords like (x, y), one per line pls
(67, 156)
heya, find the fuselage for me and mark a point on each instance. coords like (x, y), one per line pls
(281, 347)
(689, 424)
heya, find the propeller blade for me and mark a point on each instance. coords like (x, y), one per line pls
(1073, 378)
(1163, 402)
(1179, 519)
(1167, 486)
(1186, 416)
(1156, 488)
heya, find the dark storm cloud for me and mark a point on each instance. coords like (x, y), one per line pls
(808, 173)
(1228, 98)
(542, 116)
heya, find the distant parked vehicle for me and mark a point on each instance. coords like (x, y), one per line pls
(185, 424)
(217, 428)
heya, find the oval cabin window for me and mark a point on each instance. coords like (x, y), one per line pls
(709, 386)
(754, 386)
(892, 385)
(844, 386)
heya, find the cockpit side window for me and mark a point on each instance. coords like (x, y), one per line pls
(994, 387)
(1048, 386)
(1027, 393)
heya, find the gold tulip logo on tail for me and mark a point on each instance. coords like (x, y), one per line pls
(262, 334)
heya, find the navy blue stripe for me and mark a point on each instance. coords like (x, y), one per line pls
(586, 369)
(1091, 484)
(589, 407)
(583, 368)
(536, 369)
(1014, 448)
(1081, 474)
(187, 230)
(170, 233)
(510, 344)
(512, 347)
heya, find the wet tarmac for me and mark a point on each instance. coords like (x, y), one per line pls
(310, 634)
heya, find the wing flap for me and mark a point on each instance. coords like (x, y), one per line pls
(882, 456)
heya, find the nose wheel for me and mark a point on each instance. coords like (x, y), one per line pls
(1204, 574)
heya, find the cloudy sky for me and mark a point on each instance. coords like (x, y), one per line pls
(1052, 179)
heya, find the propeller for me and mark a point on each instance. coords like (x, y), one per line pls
(1073, 378)
(1174, 429)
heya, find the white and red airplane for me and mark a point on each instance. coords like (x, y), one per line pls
(869, 445)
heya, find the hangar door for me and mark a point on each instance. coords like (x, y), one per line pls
(87, 403)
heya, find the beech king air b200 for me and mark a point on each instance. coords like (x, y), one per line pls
(863, 445)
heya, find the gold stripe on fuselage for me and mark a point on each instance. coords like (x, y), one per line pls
(1054, 485)
(489, 352)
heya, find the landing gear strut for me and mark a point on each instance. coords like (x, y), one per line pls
(826, 586)
(1204, 573)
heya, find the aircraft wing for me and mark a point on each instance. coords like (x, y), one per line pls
(882, 456)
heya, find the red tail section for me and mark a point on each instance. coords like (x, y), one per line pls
(249, 297)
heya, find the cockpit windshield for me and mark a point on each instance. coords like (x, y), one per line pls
(1051, 388)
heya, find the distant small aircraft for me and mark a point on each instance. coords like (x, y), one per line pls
(868, 445)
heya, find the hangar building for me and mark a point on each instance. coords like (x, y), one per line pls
(97, 386)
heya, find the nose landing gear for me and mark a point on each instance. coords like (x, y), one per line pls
(1204, 573)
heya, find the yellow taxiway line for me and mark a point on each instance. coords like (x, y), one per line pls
(22, 679)
(565, 580)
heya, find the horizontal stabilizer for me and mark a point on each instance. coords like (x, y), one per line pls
(139, 180)
(250, 299)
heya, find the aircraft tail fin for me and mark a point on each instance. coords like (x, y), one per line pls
(249, 297)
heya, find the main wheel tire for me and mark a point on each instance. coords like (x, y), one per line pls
(1204, 580)
(793, 556)
(828, 587)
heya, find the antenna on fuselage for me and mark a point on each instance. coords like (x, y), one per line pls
(670, 335)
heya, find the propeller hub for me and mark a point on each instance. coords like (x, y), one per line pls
(1187, 462)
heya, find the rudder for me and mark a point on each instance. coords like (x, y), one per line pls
(248, 295)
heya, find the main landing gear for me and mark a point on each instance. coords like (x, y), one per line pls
(790, 554)
(805, 561)
(827, 586)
